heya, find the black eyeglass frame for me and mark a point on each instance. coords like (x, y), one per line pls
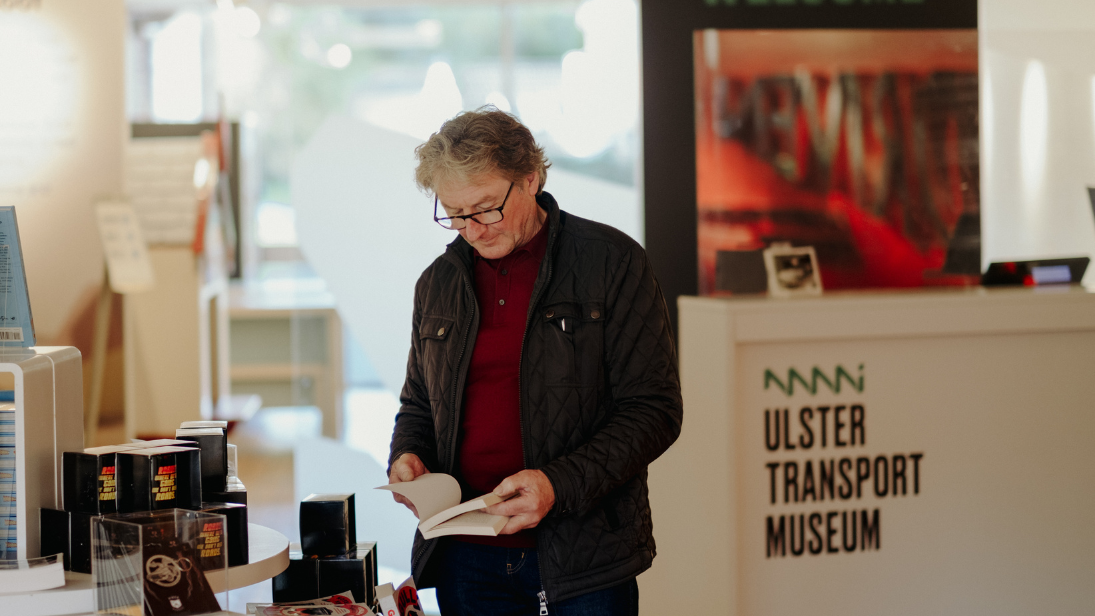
(465, 217)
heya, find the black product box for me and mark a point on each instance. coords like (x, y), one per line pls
(68, 533)
(236, 516)
(309, 577)
(355, 572)
(327, 525)
(228, 496)
(214, 447)
(158, 478)
(299, 581)
(88, 480)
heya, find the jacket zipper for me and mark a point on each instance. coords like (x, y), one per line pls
(520, 391)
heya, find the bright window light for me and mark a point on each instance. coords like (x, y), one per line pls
(247, 22)
(1034, 133)
(177, 70)
(340, 55)
(421, 114)
(499, 100)
(277, 225)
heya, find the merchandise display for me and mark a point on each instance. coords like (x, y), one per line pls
(137, 477)
(327, 524)
(308, 577)
(157, 561)
(332, 561)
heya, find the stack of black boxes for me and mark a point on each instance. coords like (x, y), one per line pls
(211, 438)
(330, 560)
(189, 472)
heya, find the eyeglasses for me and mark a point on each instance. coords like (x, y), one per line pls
(486, 217)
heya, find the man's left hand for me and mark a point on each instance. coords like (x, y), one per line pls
(534, 500)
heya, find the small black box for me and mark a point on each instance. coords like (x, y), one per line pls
(355, 572)
(68, 533)
(228, 496)
(327, 525)
(158, 478)
(89, 480)
(214, 447)
(299, 581)
(236, 516)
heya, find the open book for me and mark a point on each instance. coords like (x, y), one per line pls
(436, 496)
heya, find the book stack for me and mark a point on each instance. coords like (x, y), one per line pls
(330, 560)
(8, 518)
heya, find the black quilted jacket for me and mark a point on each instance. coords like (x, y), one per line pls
(599, 401)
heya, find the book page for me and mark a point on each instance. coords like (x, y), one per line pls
(470, 523)
(482, 502)
(431, 493)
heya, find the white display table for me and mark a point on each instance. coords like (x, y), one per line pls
(268, 554)
(921, 452)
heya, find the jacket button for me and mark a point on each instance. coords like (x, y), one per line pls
(550, 313)
(596, 314)
(441, 332)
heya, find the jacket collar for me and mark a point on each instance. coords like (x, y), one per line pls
(460, 251)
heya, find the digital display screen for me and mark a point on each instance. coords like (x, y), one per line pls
(1051, 274)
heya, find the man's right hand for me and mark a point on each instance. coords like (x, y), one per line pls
(406, 467)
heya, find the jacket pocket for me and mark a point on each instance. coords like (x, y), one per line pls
(574, 344)
(435, 340)
(435, 328)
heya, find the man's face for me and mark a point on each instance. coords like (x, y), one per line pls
(522, 217)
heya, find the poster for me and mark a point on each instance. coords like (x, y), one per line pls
(861, 143)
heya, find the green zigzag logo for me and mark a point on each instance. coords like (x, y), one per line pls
(816, 375)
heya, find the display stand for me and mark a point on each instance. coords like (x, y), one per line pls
(268, 555)
(49, 409)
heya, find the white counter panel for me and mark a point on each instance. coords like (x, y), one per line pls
(994, 390)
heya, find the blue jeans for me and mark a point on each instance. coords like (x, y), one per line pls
(481, 579)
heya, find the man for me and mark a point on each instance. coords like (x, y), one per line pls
(542, 364)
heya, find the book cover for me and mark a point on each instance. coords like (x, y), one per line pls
(16, 321)
(174, 581)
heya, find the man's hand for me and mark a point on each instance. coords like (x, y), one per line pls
(534, 500)
(406, 467)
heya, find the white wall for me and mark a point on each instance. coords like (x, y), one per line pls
(1038, 128)
(62, 131)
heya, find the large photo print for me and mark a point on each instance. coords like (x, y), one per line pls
(860, 143)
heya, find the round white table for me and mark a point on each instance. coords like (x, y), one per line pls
(268, 553)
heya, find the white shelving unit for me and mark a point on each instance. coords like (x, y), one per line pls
(49, 420)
